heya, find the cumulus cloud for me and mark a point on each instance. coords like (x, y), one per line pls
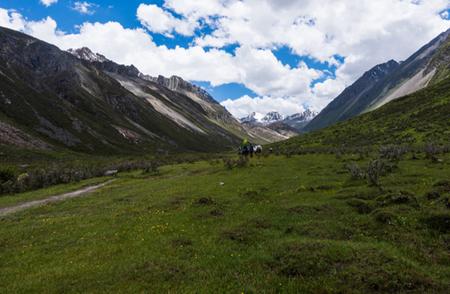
(48, 2)
(157, 20)
(84, 7)
(365, 32)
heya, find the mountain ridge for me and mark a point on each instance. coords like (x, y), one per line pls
(371, 91)
(99, 106)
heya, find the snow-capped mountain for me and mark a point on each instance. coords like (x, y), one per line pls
(272, 117)
(257, 118)
(299, 120)
(306, 115)
(251, 118)
(296, 121)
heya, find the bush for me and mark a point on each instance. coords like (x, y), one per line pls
(375, 170)
(355, 171)
(151, 168)
(6, 175)
(55, 174)
(431, 151)
(384, 217)
(393, 152)
(229, 163)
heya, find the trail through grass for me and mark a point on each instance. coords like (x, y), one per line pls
(296, 224)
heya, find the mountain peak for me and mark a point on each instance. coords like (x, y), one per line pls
(85, 53)
(272, 117)
(304, 116)
(381, 70)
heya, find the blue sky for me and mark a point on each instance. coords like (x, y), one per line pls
(251, 55)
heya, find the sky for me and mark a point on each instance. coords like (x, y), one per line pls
(251, 55)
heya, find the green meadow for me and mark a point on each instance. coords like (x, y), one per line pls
(291, 224)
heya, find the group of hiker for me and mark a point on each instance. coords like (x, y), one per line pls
(248, 149)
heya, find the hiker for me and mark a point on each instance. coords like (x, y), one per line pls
(245, 148)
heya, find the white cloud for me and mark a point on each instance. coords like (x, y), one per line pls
(157, 20)
(368, 32)
(11, 19)
(48, 2)
(365, 32)
(84, 7)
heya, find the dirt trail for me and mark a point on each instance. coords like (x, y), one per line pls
(23, 206)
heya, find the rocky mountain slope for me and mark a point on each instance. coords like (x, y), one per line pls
(83, 101)
(389, 81)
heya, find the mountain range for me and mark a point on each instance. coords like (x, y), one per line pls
(387, 82)
(80, 100)
(84, 102)
(296, 121)
(275, 127)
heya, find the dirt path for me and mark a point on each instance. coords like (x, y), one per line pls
(51, 199)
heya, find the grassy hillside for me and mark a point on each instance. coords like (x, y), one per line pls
(420, 118)
(274, 226)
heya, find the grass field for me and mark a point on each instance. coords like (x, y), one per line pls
(297, 224)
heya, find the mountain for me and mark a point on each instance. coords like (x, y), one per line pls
(283, 129)
(419, 118)
(250, 119)
(389, 81)
(287, 127)
(272, 117)
(298, 121)
(82, 101)
(261, 134)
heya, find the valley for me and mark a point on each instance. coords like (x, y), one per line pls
(116, 181)
(274, 225)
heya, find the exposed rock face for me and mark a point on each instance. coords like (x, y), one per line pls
(83, 101)
(389, 81)
(355, 99)
(86, 54)
(10, 135)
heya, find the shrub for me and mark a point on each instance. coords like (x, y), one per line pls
(229, 163)
(431, 151)
(393, 152)
(355, 171)
(375, 170)
(151, 168)
(384, 217)
(6, 175)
